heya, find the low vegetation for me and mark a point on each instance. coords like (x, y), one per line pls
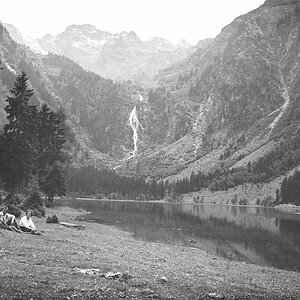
(66, 263)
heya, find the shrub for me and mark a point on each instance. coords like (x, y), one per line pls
(13, 199)
(234, 200)
(14, 210)
(34, 200)
(141, 197)
(267, 201)
(53, 219)
(243, 201)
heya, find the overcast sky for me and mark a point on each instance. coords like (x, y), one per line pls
(172, 19)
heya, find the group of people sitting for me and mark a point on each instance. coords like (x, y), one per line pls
(9, 221)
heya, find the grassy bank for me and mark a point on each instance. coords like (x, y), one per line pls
(52, 266)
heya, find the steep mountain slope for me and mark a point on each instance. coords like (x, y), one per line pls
(233, 101)
(120, 56)
(97, 109)
(22, 39)
(81, 43)
(232, 106)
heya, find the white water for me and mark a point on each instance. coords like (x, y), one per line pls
(135, 124)
(10, 69)
(141, 97)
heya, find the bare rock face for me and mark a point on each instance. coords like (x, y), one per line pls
(245, 81)
(120, 56)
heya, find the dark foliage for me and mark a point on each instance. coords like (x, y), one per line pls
(14, 210)
(18, 142)
(32, 146)
(106, 183)
(290, 189)
(34, 200)
(53, 219)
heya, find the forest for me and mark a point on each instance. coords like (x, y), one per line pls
(34, 152)
(33, 156)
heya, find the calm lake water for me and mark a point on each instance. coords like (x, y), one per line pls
(255, 235)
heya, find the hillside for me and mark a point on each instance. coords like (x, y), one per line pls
(234, 101)
(96, 107)
(229, 110)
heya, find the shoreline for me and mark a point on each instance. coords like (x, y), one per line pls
(284, 208)
(50, 267)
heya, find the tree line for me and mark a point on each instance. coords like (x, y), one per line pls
(32, 144)
(290, 189)
(88, 180)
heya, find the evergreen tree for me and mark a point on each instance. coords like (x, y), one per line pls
(18, 143)
(54, 184)
(52, 157)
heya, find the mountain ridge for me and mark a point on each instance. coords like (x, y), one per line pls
(229, 107)
(95, 50)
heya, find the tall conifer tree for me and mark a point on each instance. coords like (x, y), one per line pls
(18, 142)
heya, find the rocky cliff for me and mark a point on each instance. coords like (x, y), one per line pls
(233, 98)
(120, 56)
(232, 102)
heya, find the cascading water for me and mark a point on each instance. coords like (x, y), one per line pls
(141, 97)
(134, 123)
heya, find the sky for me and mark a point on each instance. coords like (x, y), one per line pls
(174, 20)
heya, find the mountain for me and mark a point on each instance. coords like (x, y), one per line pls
(183, 44)
(81, 43)
(120, 56)
(97, 109)
(17, 36)
(233, 103)
(160, 44)
(230, 109)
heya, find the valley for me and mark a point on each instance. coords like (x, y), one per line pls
(222, 107)
(152, 168)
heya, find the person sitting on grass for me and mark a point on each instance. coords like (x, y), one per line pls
(8, 220)
(26, 223)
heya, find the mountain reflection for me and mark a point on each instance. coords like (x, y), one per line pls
(250, 234)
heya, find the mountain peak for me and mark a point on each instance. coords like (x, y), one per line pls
(132, 33)
(83, 27)
(133, 36)
(183, 44)
(160, 43)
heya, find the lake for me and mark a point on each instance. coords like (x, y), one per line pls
(256, 235)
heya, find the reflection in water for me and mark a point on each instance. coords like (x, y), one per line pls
(251, 234)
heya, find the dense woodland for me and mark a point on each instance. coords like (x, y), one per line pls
(32, 147)
(101, 107)
(290, 189)
(96, 104)
(107, 184)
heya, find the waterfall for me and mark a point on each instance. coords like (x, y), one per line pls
(141, 97)
(134, 123)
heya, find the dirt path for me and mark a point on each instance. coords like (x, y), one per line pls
(52, 266)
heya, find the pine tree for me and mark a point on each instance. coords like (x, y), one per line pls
(52, 157)
(54, 184)
(18, 143)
